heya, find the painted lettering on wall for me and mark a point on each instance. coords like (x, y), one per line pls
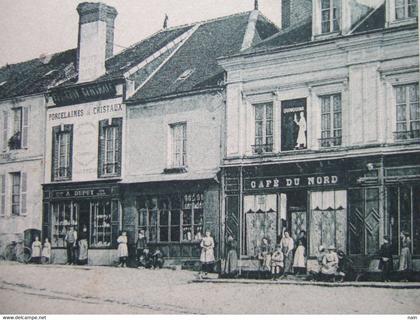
(86, 111)
(291, 182)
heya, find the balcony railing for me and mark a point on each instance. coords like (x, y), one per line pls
(262, 148)
(330, 142)
(407, 135)
(62, 173)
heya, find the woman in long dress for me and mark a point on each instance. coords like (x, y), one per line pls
(36, 250)
(83, 246)
(46, 251)
(264, 254)
(207, 253)
(122, 249)
(231, 263)
(405, 256)
(299, 259)
(287, 246)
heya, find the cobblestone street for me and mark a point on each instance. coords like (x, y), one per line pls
(68, 289)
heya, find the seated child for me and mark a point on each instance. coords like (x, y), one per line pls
(277, 263)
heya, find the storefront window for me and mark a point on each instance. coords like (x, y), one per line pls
(404, 216)
(172, 218)
(101, 224)
(64, 215)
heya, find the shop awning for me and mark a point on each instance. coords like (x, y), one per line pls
(160, 177)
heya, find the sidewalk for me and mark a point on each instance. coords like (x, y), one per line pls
(392, 285)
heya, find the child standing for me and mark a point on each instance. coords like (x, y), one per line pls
(46, 251)
(277, 263)
(123, 249)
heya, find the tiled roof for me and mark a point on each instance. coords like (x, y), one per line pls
(36, 75)
(212, 39)
(301, 32)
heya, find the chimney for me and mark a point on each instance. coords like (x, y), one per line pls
(294, 11)
(96, 39)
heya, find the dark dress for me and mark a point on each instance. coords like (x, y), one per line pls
(385, 262)
(141, 244)
(231, 263)
(83, 248)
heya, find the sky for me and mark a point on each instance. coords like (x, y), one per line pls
(30, 28)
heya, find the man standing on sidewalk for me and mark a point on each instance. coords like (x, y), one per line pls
(385, 262)
(71, 240)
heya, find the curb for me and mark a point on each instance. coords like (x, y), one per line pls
(389, 285)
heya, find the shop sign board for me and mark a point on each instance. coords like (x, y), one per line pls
(82, 193)
(301, 181)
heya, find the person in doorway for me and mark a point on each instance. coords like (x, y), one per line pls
(207, 254)
(277, 263)
(71, 244)
(141, 244)
(264, 255)
(83, 246)
(36, 250)
(329, 268)
(46, 251)
(299, 265)
(122, 249)
(303, 239)
(385, 262)
(287, 246)
(231, 263)
(405, 263)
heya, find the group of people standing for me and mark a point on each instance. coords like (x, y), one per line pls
(41, 253)
(386, 263)
(77, 246)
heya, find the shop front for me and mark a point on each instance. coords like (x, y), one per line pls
(174, 216)
(95, 206)
(264, 202)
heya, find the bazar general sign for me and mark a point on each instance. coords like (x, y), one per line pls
(280, 182)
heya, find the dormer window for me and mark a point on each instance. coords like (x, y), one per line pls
(405, 9)
(330, 16)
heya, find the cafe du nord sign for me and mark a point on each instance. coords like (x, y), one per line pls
(291, 182)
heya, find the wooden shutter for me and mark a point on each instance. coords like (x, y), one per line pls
(25, 126)
(101, 147)
(2, 195)
(23, 190)
(5, 130)
(115, 222)
(55, 152)
(118, 143)
(69, 128)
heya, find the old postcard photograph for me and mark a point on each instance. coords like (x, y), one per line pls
(209, 157)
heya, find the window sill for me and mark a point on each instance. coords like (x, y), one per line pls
(175, 170)
(402, 22)
(327, 35)
(61, 179)
(108, 176)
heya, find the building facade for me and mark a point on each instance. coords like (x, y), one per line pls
(322, 126)
(23, 102)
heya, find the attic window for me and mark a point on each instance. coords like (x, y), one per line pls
(185, 75)
(405, 9)
(330, 16)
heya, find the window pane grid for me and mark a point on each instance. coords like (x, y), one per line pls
(179, 145)
(16, 187)
(407, 112)
(263, 128)
(331, 120)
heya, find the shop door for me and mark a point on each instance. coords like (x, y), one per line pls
(84, 215)
(328, 224)
(261, 220)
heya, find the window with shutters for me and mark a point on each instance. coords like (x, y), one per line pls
(179, 145)
(19, 138)
(331, 124)
(62, 152)
(110, 140)
(18, 193)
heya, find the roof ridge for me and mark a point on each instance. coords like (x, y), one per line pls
(192, 24)
(285, 31)
(34, 59)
